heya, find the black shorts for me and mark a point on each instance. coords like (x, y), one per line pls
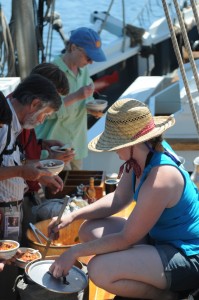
(181, 271)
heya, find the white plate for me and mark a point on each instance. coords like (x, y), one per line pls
(7, 254)
(97, 105)
(54, 166)
(22, 263)
(77, 279)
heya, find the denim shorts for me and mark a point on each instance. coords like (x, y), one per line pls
(181, 271)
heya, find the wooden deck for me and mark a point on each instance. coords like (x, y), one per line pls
(95, 293)
(184, 144)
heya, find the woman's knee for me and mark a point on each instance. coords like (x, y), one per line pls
(93, 229)
(85, 232)
(96, 271)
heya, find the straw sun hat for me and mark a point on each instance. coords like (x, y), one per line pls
(129, 122)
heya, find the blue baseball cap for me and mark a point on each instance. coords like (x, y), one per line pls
(90, 41)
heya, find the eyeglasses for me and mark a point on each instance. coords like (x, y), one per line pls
(88, 59)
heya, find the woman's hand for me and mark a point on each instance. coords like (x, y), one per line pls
(53, 229)
(63, 264)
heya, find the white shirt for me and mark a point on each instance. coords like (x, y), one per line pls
(11, 189)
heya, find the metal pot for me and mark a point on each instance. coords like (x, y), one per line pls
(37, 273)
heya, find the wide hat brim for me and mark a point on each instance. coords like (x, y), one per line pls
(109, 141)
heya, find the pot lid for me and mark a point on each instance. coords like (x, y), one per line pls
(75, 281)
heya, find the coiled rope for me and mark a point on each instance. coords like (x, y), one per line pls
(179, 57)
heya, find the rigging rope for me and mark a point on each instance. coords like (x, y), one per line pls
(7, 55)
(124, 26)
(50, 31)
(123, 20)
(187, 44)
(179, 58)
(106, 17)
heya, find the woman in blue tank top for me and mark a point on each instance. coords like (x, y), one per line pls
(154, 254)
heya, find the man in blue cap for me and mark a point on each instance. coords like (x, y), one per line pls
(69, 124)
(90, 42)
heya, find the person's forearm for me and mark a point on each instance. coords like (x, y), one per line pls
(9, 172)
(71, 99)
(106, 244)
(27, 172)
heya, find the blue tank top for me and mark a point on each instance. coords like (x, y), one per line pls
(178, 225)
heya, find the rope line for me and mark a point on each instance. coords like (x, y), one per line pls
(179, 58)
(106, 17)
(124, 26)
(7, 55)
(187, 44)
(50, 32)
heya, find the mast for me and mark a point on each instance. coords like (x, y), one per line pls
(24, 35)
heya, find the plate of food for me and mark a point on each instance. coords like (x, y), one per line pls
(8, 248)
(27, 255)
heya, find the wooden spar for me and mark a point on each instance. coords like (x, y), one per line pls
(24, 34)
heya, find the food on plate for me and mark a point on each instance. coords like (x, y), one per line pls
(49, 164)
(54, 166)
(6, 246)
(28, 256)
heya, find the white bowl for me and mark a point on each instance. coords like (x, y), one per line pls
(22, 263)
(54, 166)
(97, 105)
(7, 254)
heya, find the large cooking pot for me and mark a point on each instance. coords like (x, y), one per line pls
(77, 264)
(74, 282)
(36, 284)
(68, 236)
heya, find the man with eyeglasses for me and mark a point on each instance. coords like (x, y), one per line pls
(69, 124)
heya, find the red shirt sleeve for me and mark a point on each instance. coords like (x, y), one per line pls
(32, 150)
